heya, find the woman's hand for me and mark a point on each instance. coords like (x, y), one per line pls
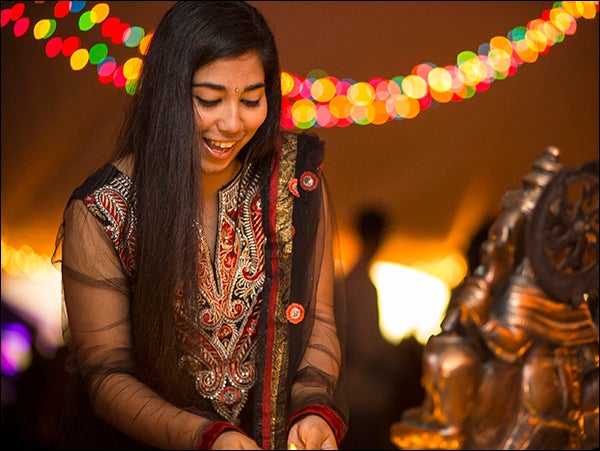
(311, 432)
(234, 440)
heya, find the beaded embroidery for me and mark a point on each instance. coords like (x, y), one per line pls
(218, 329)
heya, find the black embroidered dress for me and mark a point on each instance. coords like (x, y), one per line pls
(263, 341)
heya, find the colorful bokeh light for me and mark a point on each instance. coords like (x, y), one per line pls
(321, 100)
(16, 348)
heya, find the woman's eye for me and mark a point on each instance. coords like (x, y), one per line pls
(212, 103)
(251, 103)
(207, 103)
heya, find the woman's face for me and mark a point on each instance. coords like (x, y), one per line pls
(230, 105)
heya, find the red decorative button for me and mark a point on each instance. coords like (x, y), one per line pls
(309, 181)
(294, 187)
(230, 396)
(294, 313)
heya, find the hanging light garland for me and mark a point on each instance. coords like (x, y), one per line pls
(321, 100)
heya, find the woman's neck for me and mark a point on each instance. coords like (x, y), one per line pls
(213, 182)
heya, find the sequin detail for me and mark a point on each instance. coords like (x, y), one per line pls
(114, 204)
(218, 330)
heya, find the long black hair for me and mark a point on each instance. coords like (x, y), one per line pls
(159, 134)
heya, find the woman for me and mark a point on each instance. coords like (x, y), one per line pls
(199, 275)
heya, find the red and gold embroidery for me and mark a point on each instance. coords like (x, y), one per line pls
(217, 330)
(110, 204)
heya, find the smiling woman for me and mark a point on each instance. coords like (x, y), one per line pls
(439, 175)
(212, 297)
(226, 119)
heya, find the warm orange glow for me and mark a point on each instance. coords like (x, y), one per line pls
(411, 302)
(25, 262)
(414, 279)
(31, 285)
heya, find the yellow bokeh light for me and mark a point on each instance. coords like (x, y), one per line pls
(499, 60)
(79, 59)
(42, 29)
(525, 52)
(361, 94)
(99, 12)
(25, 262)
(440, 79)
(560, 19)
(580, 9)
(450, 269)
(287, 83)
(132, 68)
(550, 32)
(472, 72)
(414, 87)
(322, 90)
(303, 111)
(536, 40)
(406, 107)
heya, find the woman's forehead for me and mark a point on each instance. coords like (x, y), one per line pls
(242, 71)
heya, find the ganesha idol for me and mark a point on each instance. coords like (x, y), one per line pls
(516, 363)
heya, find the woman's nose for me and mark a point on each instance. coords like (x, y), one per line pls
(230, 120)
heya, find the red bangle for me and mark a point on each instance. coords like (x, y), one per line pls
(212, 432)
(331, 417)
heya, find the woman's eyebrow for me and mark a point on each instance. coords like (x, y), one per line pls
(217, 87)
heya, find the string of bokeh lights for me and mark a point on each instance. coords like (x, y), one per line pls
(319, 99)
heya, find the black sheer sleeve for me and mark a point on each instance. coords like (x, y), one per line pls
(97, 330)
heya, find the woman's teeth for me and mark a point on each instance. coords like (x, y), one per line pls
(220, 145)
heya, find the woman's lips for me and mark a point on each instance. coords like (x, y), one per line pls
(219, 148)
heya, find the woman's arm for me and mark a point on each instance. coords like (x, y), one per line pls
(96, 295)
(316, 390)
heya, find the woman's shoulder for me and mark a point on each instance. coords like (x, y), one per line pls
(125, 165)
(111, 175)
(310, 147)
(304, 138)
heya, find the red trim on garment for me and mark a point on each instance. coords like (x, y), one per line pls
(213, 431)
(331, 417)
(266, 394)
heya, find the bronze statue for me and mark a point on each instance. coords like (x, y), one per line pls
(516, 363)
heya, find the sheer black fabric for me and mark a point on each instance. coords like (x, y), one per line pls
(108, 405)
